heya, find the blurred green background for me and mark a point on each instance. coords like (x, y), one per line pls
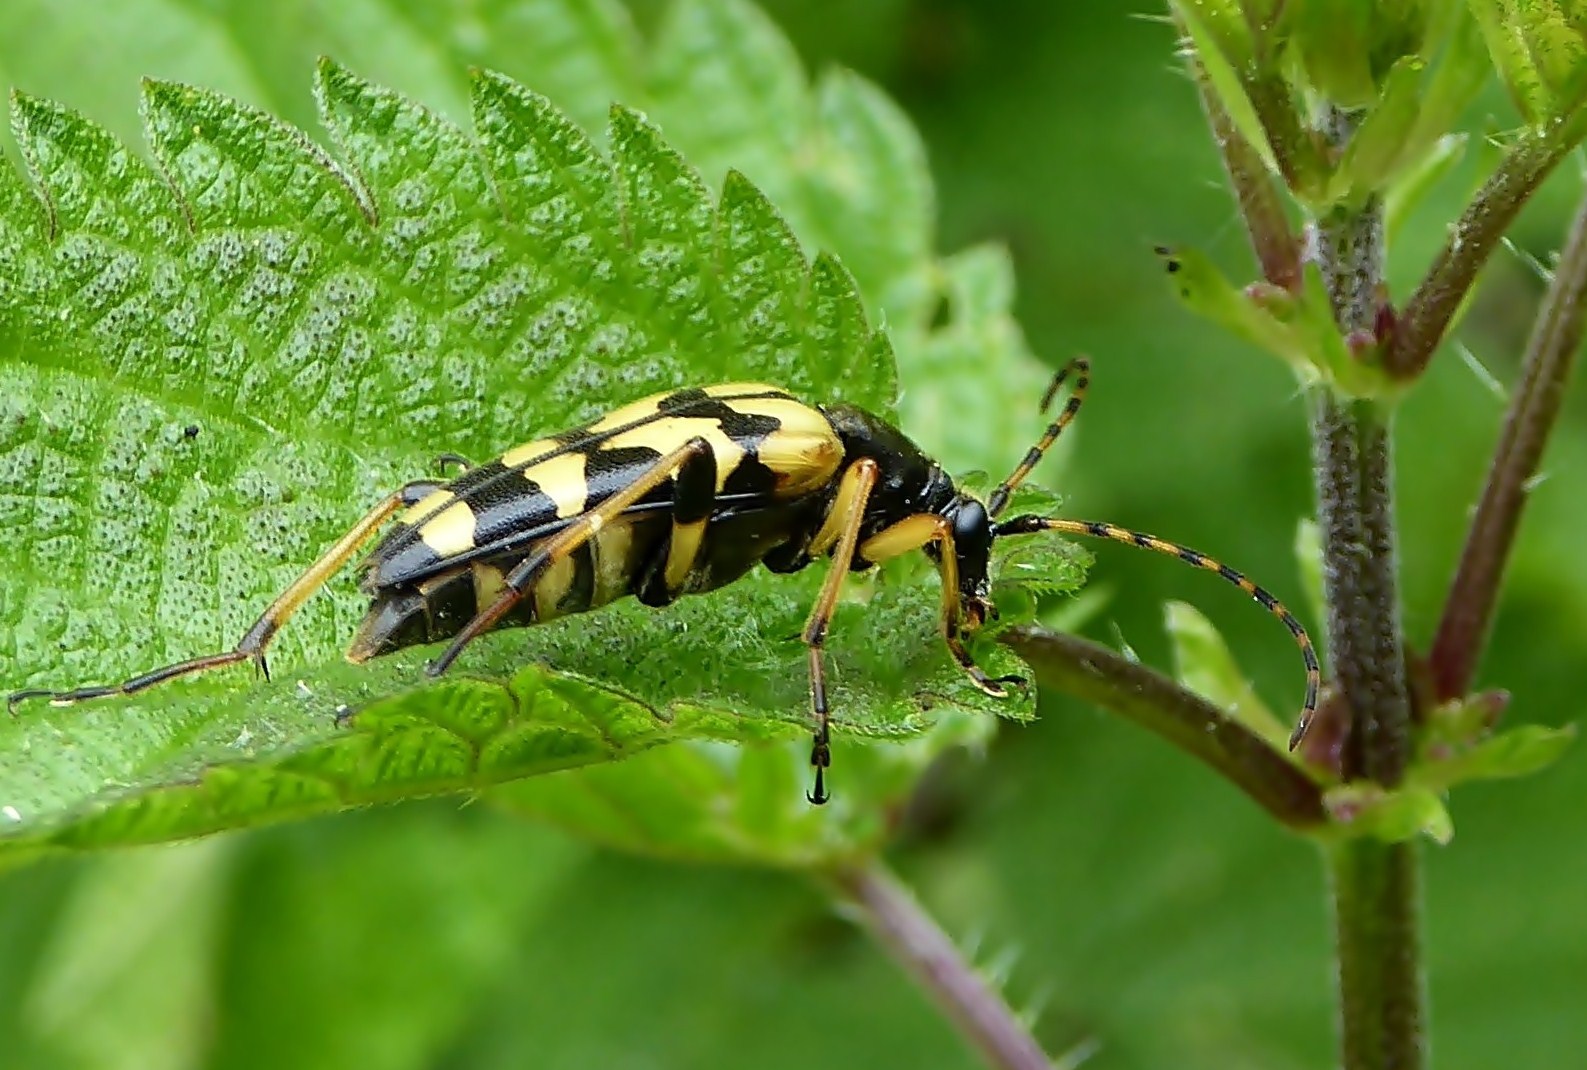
(1153, 909)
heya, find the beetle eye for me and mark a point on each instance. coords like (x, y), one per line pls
(970, 524)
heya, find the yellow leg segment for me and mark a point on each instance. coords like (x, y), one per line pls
(912, 533)
(841, 533)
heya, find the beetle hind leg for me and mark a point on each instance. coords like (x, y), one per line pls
(138, 683)
(254, 642)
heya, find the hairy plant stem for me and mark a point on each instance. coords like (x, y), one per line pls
(1255, 192)
(1375, 885)
(890, 911)
(1428, 313)
(1376, 893)
(1081, 668)
(1534, 406)
(1354, 485)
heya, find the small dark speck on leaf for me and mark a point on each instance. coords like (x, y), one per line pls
(190, 432)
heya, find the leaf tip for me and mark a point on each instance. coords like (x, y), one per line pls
(332, 78)
(631, 124)
(486, 87)
(739, 192)
(490, 89)
(489, 78)
(158, 98)
(829, 268)
(28, 112)
(161, 90)
(623, 117)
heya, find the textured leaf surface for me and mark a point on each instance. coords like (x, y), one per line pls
(213, 363)
(1539, 49)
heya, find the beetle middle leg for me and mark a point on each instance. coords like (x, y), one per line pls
(443, 461)
(693, 498)
(531, 569)
(253, 643)
(840, 533)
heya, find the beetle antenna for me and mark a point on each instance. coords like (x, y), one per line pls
(1081, 367)
(1027, 525)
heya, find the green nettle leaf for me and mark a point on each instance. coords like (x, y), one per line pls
(1376, 148)
(1407, 68)
(1462, 70)
(212, 364)
(1333, 42)
(1036, 568)
(1349, 50)
(1266, 316)
(948, 403)
(1540, 49)
(721, 803)
(1298, 328)
(1416, 808)
(1514, 753)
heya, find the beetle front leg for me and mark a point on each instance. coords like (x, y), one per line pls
(913, 533)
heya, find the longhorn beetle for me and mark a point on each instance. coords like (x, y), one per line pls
(676, 494)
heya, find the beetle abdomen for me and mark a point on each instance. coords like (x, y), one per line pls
(767, 447)
(622, 559)
(601, 571)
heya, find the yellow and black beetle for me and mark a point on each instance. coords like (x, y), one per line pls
(676, 494)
